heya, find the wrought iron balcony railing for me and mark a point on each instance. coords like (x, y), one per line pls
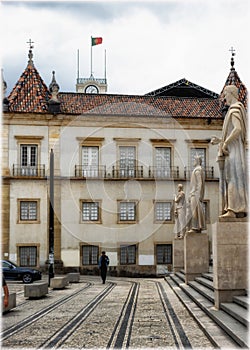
(139, 172)
(117, 172)
(90, 171)
(127, 172)
(163, 172)
(209, 172)
(28, 170)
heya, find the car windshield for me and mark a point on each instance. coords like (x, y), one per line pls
(8, 264)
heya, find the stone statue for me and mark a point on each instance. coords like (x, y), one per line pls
(232, 151)
(180, 212)
(54, 103)
(196, 197)
(54, 88)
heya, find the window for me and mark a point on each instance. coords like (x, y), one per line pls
(162, 161)
(163, 211)
(28, 157)
(28, 210)
(90, 161)
(90, 254)
(128, 255)
(127, 211)
(127, 161)
(164, 253)
(90, 211)
(28, 256)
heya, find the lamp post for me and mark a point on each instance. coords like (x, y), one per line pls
(51, 217)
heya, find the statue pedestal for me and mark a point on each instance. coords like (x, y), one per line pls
(178, 254)
(230, 259)
(196, 255)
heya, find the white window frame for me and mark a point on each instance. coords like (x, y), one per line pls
(127, 206)
(92, 205)
(29, 141)
(21, 202)
(91, 169)
(163, 220)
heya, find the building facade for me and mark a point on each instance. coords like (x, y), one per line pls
(118, 160)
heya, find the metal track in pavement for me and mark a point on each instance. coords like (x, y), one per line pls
(178, 333)
(33, 318)
(123, 327)
(60, 336)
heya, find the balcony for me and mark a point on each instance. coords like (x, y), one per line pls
(90, 171)
(127, 172)
(28, 170)
(209, 172)
(164, 172)
(116, 172)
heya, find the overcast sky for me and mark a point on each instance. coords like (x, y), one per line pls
(149, 44)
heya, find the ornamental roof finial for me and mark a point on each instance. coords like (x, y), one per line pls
(54, 88)
(232, 50)
(4, 84)
(5, 99)
(30, 55)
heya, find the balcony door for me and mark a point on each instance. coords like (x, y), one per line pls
(127, 161)
(162, 161)
(90, 161)
(28, 158)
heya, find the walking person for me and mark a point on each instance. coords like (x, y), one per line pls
(103, 266)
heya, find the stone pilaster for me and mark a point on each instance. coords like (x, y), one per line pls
(5, 212)
(5, 150)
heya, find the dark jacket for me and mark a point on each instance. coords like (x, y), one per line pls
(103, 261)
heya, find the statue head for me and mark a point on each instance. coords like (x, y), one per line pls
(180, 187)
(197, 160)
(230, 94)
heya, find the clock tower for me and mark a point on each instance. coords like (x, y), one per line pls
(91, 85)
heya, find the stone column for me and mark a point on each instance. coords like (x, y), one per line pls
(196, 255)
(230, 259)
(178, 254)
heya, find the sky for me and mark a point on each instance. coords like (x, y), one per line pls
(148, 44)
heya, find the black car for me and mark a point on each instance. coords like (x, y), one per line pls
(13, 272)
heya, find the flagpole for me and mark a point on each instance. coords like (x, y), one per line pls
(91, 58)
(77, 65)
(105, 73)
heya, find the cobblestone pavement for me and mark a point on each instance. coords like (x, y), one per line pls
(125, 312)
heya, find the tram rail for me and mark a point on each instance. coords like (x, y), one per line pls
(33, 318)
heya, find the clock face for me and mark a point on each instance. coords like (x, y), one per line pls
(91, 89)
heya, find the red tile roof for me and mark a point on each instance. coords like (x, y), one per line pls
(234, 79)
(104, 104)
(30, 93)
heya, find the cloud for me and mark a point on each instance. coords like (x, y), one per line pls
(149, 44)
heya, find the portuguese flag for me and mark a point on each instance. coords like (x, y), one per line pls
(96, 41)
